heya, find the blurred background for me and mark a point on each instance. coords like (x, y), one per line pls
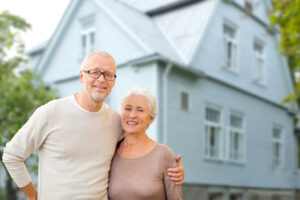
(225, 73)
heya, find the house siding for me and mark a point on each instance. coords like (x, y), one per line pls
(187, 137)
(209, 55)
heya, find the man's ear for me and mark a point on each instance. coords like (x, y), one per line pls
(81, 76)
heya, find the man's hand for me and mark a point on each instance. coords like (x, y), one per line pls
(30, 191)
(177, 174)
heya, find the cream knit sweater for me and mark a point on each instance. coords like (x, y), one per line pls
(75, 148)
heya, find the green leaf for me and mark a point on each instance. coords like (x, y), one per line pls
(18, 95)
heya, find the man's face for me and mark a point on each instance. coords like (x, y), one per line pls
(97, 89)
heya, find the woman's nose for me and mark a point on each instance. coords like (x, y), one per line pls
(132, 114)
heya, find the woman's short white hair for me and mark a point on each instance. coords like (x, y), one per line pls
(145, 92)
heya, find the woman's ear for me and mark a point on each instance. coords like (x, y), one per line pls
(151, 120)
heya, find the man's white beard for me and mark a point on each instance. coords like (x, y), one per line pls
(98, 98)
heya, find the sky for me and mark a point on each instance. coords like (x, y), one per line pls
(43, 15)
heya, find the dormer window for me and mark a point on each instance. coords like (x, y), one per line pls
(259, 63)
(229, 48)
(87, 36)
(248, 6)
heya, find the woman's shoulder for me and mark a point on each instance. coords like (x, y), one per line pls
(167, 155)
(165, 149)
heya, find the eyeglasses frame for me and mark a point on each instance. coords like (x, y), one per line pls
(99, 74)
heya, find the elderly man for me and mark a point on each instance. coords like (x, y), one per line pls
(76, 138)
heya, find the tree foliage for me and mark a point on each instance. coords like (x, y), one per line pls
(286, 15)
(20, 93)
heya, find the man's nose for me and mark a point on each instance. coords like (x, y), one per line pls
(101, 77)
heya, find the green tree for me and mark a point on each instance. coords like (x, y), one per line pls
(286, 15)
(20, 93)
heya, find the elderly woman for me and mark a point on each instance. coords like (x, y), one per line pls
(139, 167)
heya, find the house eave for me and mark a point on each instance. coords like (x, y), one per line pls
(193, 70)
(171, 7)
(270, 29)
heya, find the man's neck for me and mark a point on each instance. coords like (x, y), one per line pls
(88, 104)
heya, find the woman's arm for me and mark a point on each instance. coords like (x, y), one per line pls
(172, 190)
(177, 173)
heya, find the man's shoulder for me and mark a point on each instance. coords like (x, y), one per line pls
(109, 109)
(52, 104)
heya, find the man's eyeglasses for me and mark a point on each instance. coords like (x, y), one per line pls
(96, 74)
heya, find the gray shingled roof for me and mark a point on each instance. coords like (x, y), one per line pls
(144, 27)
(149, 5)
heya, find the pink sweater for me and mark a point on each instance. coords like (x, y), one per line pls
(144, 178)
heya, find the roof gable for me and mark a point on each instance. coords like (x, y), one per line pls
(142, 28)
(139, 27)
(185, 37)
(149, 5)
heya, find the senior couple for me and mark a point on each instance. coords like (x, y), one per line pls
(83, 152)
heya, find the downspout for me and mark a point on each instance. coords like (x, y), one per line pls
(165, 101)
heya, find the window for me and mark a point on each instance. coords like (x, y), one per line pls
(184, 99)
(235, 197)
(275, 197)
(230, 47)
(215, 196)
(236, 138)
(248, 6)
(213, 137)
(297, 76)
(254, 197)
(277, 146)
(87, 37)
(259, 63)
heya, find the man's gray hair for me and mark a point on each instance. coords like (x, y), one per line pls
(145, 92)
(97, 53)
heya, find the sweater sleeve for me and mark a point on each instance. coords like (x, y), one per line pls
(27, 140)
(173, 192)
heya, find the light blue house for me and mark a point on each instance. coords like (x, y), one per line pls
(216, 71)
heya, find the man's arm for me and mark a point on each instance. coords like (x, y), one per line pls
(25, 142)
(30, 191)
(177, 174)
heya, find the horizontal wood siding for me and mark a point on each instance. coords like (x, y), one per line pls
(186, 135)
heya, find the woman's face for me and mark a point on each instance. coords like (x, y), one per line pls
(135, 114)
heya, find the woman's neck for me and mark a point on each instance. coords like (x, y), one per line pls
(135, 139)
(135, 145)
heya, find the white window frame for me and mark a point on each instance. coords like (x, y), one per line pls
(278, 162)
(216, 153)
(230, 64)
(259, 64)
(86, 32)
(234, 156)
